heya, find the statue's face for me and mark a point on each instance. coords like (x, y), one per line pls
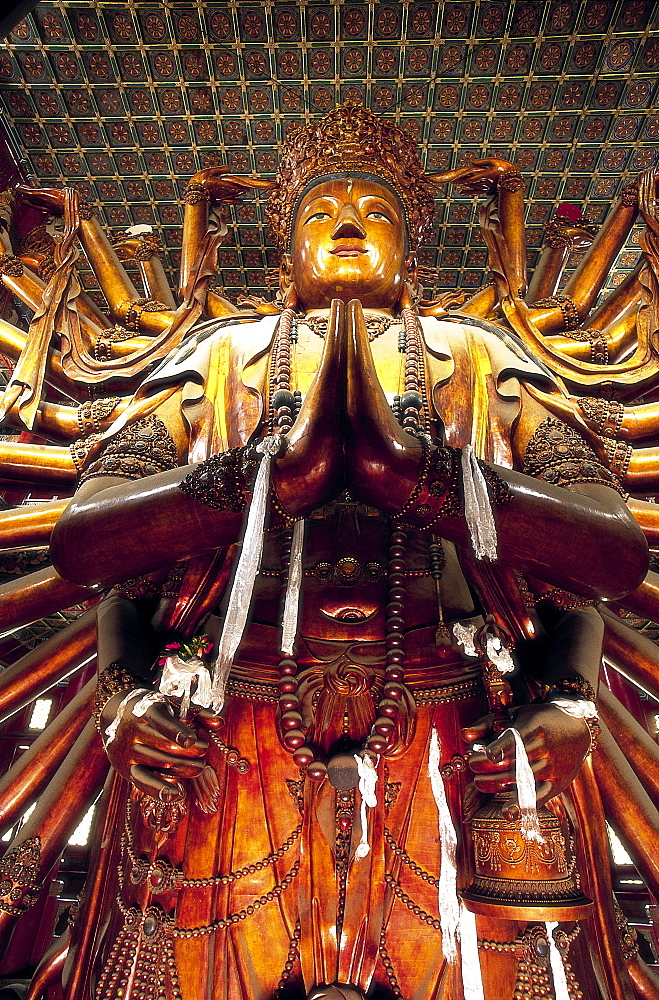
(349, 243)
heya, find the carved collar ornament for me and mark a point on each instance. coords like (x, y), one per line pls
(351, 140)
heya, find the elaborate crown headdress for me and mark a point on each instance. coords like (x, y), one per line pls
(351, 138)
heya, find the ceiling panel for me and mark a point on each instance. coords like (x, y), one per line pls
(125, 101)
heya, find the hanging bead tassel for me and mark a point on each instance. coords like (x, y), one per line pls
(526, 794)
(478, 510)
(455, 919)
(561, 988)
(293, 589)
(368, 778)
(248, 566)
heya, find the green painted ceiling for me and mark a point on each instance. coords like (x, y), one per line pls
(126, 100)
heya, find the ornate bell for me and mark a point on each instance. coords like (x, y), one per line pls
(521, 879)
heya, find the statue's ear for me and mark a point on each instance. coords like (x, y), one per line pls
(412, 290)
(287, 290)
(285, 272)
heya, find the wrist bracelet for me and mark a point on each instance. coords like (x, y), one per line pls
(113, 680)
(572, 687)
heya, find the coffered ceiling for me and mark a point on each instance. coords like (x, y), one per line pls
(125, 101)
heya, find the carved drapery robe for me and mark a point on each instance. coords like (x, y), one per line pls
(265, 891)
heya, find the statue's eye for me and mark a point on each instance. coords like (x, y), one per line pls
(379, 216)
(316, 216)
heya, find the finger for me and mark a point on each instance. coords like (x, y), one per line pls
(498, 779)
(544, 791)
(151, 757)
(498, 754)
(478, 730)
(166, 724)
(209, 719)
(492, 783)
(153, 785)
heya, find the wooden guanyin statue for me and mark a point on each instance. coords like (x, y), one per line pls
(351, 547)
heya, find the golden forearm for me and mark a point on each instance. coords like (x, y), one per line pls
(30, 525)
(626, 296)
(511, 213)
(117, 287)
(481, 303)
(195, 224)
(586, 282)
(547, 273)
(36, 463)
(155, 281)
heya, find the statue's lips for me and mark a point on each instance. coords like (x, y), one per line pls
(348, 251)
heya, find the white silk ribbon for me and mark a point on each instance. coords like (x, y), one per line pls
(246, 570)
(561, 988)
(478, 509)
(464, 635)
(576, 709)
(368, 779)
(457, 922)
(526, 793)
(447, 896)
(293, 589)
(111, 731)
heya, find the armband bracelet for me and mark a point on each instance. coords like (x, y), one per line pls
(222, 481)
(570, 687)
(511, 180)
(438, 491)
(584, 710)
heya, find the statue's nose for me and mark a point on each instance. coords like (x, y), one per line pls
(348, 224)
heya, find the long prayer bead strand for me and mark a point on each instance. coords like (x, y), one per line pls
(282, 400)
(384, 728)
(413, 402)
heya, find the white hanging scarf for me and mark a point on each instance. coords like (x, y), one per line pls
(368, 778)
(457, 922)
(177, 678)
(557, 967)
(478, 509)
(245, 576)
(526, 792)
(293, 589)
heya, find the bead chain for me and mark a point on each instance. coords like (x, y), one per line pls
(205, 883)
(424, 917)
(247, 911)
(290, 958)
(413, 402)
(388, 967)
(406, 859)
(231, 755)
(233, 918)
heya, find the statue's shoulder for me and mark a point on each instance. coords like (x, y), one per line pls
(237, 340)
(508, 356)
